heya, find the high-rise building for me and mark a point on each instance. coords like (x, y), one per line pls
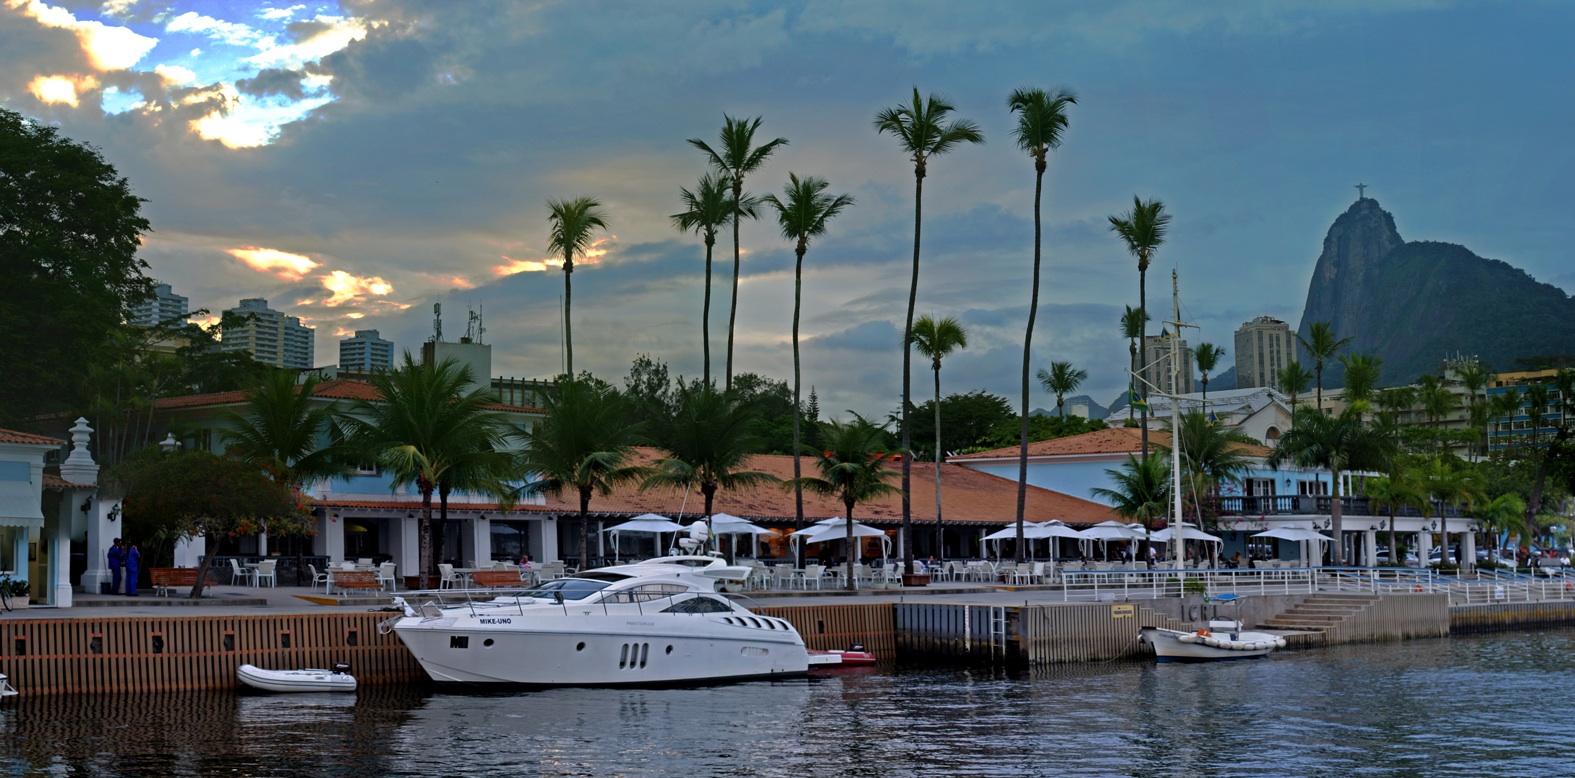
(367, 352)
(272, 337)
(164, 306)
(1264, 346)
(1157, 361)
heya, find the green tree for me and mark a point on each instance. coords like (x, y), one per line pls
(1208, 356)
(1361, 377)
(1061, 378)
(285, 432)
(1391, 493)
(584, 446)
(923, 131)
(1321, 344)
(649, 392)
(424, 427)
(1393, 401)
(708, 443)
(1042, 119)
(736, 156)
(1040, 427)
(1141, 492)
(937, 339)
(706, 209)
(198, 494)
(1338, 443)
(967, 421)
(1293, 380)
(1503, 515)
(1453, 484)
(852, 469)
(573, 222)
(69, 232)
(1143, 231)
(802, 213)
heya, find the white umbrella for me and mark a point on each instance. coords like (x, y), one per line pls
(1113, 530)
(1188, 532)
(647, 523)
(834, 529)
(725, 524)
(1294, 533)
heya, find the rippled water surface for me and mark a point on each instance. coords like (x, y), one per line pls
(1471, 706)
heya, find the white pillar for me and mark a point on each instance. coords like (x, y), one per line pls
(1424, 546)
(410, 539)
(545, 533)
(189, 551)
(262, 544)
(481, 539)
(100, 536)
(1370, 548)
(1468, 549)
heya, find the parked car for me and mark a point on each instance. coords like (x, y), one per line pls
(1437, 554)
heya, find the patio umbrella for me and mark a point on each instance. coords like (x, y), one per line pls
(1294, 533)
(1106, 531)
(836, 529)
(1188, 532)
(645, 523)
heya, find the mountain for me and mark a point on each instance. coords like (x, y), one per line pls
(1415, 304)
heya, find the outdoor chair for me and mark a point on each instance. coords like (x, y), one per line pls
(812, 574)
(385, 575)
(447, 578)
(318, 578)
(265, 571)
(238, 574)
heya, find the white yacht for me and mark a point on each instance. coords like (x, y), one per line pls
(659, 622)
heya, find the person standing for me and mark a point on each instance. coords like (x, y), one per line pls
(117, 564)
(133, 565)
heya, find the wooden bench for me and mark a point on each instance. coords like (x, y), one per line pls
(167, 578)
(354, 579)
(497, 578)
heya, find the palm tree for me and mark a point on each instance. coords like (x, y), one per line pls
(1361, 376)
(1041, 122)
(572, 222)
(1337, 443)
(1502, 515)
(1061, 378)
(1453, 484)
(1132, 324)
(426, 425)
(852, 469)
(708, 443)
(1143, 231)
(1208, 357)
(1437, 401)
(736, 156)
(802, 213)
(1293, 380)
(707, 208)
(583, 446)
(937, 339)
(1393, 400)
(1141, 492)
(1397, 490)
(922, 130)
(1321, 344)
(285, 434)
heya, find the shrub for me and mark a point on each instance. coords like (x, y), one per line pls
(12, 587)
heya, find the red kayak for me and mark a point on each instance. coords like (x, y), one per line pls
(855, 657)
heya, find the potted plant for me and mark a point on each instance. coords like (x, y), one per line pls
(16, 592)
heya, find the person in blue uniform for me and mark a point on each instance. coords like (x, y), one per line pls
(133, 564)
(117, 564)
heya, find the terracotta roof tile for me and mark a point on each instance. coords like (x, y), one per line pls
(338, 389)
(1115, 440)
(56, 482)
(27, 438)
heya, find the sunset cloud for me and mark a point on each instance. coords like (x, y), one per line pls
(60, 89)
(290, 267)
(108, 48)
(350, 288)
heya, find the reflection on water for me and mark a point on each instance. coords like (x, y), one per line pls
(1464, 706)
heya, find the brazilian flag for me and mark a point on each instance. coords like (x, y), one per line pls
(1135, 399)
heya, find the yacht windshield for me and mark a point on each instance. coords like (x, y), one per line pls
(570, 588)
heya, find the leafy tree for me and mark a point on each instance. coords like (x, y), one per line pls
(1040, 427)
(707, 208)
(922, 131)
(573, 222)
(773, 400)
(1042, 119)
(649, 391)
(1208, 356)
(736, 156)
(198, 494)
(1061, 378)
(1293, 380)
(1504, 515)
(69, 232)
(802, 213)
(937, 339)
(852, 469)
(1338, 443)
(1452, 483)
(1321, 344)
(708, 442)
(1143, 231)
(585, 446)
(428, 431)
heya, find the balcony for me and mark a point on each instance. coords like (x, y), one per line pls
(1294, 505)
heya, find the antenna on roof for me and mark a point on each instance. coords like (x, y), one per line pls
(437, 322)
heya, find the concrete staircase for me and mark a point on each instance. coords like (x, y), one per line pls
(1320, 613)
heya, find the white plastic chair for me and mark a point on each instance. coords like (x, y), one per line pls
(319, 578)
(812, 574)
(385, 576)
(266, 571)
(240, 575)
(447, 578)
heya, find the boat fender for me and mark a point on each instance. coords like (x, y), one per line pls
(1419, 587)
(1187, 638)
(1279, 642)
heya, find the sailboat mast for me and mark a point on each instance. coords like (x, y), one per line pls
(1175, 424)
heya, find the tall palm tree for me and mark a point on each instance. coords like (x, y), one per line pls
(1437, 400)
(708, 443)
(707, 208)
(1141, 491)
(937, 339)
(802, 213)
(1337, 443)
(735, 157)
(1453, 484)
(1321, 344)
(1361, 376)
(1393, 400)
(1042, 119)
(1293, 380)
(1132, 323)
(1391, 493)
(572, 224)
(922, 131)
(1061, 378)
(1503, 515)
(1208, 357)
(852, 469)
(585, 445)
(426, 425)
(1143, 231)
(286, 434)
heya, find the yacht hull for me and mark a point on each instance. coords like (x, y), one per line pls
(1175, 646)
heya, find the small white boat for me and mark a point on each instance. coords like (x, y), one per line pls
(1223, 640)
(6, 689)
(335, 679)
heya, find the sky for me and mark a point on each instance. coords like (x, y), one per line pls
(355, 162)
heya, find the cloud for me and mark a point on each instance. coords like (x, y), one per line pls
(282, 264)
(232, 33)
(346, 288)
(273, 14)
(313, 40)
(273, 81)
(60, 89)
(108, 48)
(176, 75)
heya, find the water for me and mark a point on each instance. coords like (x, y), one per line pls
(1466, 706)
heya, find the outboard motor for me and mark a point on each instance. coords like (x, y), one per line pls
(340, 668)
